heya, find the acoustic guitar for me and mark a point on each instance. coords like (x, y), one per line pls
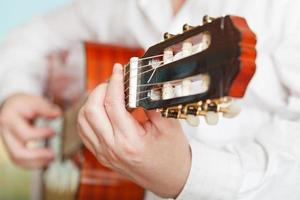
(196, 73)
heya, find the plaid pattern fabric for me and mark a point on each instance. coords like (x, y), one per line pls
(101, 183)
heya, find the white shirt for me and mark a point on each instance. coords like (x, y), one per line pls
(254, 156)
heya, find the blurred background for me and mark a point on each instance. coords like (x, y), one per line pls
(15, 182)
(16, 12)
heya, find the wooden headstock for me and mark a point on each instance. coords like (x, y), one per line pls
(195, 73)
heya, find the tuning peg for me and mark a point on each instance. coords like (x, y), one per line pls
(232, 111)
(187, 27)
(173, 112)
(211, 118)
(207, 19)
(193, 120)
(168, 56)
(186, 87)
(164, 113)
(168, 36)
(187, 48)
(168, 91)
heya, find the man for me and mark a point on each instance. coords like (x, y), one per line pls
(254, 156)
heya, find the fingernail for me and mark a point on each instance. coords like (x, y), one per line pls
(117, 68)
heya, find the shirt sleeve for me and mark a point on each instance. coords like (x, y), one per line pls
(23, 66)
(214, 174)
(268, 167)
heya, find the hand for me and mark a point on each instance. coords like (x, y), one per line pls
(17, 115)
(156, 154)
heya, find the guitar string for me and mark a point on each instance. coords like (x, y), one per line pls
(143, 66)
(142, 99)
(144, 85)
(145, 91)
(147, 71)
(150, 70)
(146, 58)
(139, 100)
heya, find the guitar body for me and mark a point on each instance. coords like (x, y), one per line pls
(97, 181)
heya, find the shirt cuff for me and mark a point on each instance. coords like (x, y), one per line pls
(11, 85)
(214, 174)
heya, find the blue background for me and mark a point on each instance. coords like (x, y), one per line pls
(16, 12)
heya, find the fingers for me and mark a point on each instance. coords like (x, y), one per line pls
(104, 116)
(16, 118)
(26, 132)
(96, 115)
(115, 103)
(87, 134)
(23, 156)
(95, 126)
(44, 108)
(93, 144)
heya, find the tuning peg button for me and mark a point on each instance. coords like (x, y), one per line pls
(168, 91)
(212, 118)
(207, 19)
(168, 56)
(187, 27)
(187, 48)
(232, 111)
(168, 35)
(193, 120)
(186, 87)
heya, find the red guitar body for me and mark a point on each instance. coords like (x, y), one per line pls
(97, 181)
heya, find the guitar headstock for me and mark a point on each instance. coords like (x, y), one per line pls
(195, 73)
